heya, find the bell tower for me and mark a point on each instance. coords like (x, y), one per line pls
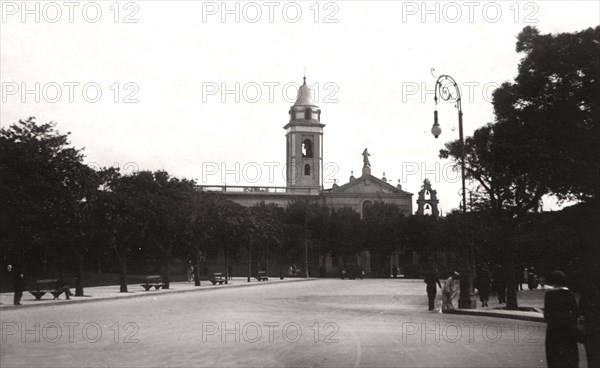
(304, 144)
(427, 201)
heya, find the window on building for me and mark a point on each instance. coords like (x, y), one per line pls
(307, 148)
(307, 114)
(366, 207)
(307, 169)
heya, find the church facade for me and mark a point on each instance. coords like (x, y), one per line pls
(304, 136)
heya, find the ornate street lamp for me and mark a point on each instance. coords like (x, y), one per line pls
(448, 90)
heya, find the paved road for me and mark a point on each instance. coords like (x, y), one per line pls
(332, 323)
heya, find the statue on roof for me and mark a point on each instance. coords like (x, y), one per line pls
(366, 158)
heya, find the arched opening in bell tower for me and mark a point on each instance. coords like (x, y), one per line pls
(307, 149)
(307, 113)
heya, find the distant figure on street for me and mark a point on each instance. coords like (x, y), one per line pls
(432, 279)
(18, 284)
(532, 279)
(483, 283)
(190, 272)
(395, 271)
(62, 285)
(449, 291)
(561, 312)
(294, 271)
(524, 277)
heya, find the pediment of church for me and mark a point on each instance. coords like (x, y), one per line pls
(367, 184)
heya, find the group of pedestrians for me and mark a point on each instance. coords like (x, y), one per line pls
(495, 282)
(449, 290)
(568, 322)
(529, 276)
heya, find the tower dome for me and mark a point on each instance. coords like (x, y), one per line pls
(304, 96)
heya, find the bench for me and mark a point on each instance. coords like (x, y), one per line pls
(152, 281)
(217, 277)
(43, 287)
(262, 276)
(352, 272)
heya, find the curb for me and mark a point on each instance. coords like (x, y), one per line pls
(499, 315)
(89, 299)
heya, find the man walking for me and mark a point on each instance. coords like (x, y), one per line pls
(431, 279)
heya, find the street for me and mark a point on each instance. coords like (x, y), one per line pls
(333, 323)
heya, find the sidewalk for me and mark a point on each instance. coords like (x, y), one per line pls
(533, 300)
(100, 293)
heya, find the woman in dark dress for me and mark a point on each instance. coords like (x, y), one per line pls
(560, 312)
(483, 283)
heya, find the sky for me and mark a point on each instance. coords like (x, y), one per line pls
(202, 89)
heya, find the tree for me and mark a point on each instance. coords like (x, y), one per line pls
(544, 137)
(227, 230)
(552, 112)
(382, 225)
(44, 185)
(266, 229)
(304, 224)
(195, 235)
(343, 236)
(120, 211)
(166, 204)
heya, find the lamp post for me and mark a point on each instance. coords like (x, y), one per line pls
(448, 90)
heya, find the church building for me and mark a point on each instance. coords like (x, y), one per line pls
(304, 136)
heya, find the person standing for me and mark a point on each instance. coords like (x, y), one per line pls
(190, 272)
(483, 284)
(18, 285)
(449, 291)
(561, 312)
(432, 279)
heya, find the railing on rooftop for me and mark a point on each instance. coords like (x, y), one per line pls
(240, 189)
